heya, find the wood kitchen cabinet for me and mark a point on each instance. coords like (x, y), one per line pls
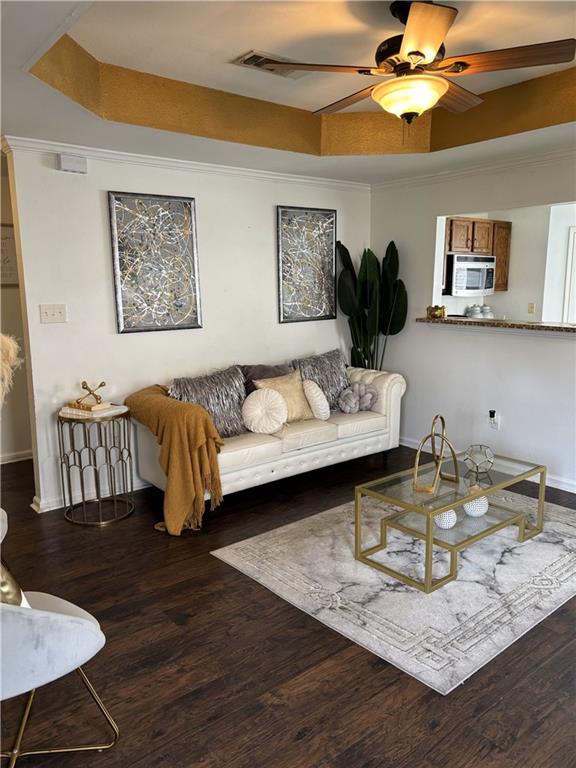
(479, 236)
(469, 236)
(460, 233)
(482, 235)
(502, 237)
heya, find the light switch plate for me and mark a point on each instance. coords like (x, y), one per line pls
(53, 313)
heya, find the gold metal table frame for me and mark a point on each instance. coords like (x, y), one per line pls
(432, 538)
(96, 468)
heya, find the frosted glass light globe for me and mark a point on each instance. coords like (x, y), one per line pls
(410, 95)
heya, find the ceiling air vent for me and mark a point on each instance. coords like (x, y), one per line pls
(257, 59)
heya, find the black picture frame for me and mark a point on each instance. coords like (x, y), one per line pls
(188, 261)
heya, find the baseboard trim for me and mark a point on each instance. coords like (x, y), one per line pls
(48, 505)
(11, 458)
(554, 481)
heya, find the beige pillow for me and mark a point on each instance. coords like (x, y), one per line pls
(291, 389)
(317, 400)
(264, 411)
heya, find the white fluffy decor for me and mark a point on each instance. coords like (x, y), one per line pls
(9, 360)
(317, 400)
(264, 411)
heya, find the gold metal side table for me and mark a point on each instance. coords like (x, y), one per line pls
(96, 467)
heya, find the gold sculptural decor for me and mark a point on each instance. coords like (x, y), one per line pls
(437, 458)
(436, 312)
(95, 403)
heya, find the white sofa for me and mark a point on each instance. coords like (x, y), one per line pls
(252, 459)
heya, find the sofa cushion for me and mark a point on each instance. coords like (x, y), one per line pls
(350, 424)
(303, 434)
(221, 394)
(252, 372)
(328, 371)
(291, 389)
(316, 400)
(248, 449)
(357, 397)
(264, 411)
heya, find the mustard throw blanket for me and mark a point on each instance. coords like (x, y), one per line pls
(189, 447)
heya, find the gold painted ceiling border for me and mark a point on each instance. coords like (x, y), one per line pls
(137, 98)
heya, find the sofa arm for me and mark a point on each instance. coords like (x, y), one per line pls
(390, 388)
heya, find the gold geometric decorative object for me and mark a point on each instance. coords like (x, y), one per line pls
(437, 458)
(87, 406)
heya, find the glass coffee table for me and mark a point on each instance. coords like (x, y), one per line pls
(413, 513)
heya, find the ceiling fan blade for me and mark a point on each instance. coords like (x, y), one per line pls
(279, 66)
(426, 29)
(354, 98)
(540, 54)
(458, 99)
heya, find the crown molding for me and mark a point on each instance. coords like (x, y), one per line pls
(22, 144)
(523, 161)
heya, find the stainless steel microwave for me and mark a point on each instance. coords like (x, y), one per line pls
(472, 275)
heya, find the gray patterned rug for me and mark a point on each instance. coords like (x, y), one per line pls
(504, 588)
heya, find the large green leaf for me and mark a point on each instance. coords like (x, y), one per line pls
(346, 259)
(390, 263)
(386, 300)
(356, 358)
(368, 278)
(400, 311)
(347, 297)
(373, 316)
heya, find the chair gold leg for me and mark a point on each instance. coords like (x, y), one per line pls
(16, 753)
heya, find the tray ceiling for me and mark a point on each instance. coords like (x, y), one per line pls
(196, 41)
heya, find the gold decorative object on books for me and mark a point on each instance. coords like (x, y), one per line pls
(96, 404)
(437, 458)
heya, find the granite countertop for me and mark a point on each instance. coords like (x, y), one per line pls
(484, 322)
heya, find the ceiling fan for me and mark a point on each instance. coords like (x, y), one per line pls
(422, 76)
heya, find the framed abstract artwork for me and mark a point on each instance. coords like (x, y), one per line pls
(306, 264)
(155, 262)
(9, 268)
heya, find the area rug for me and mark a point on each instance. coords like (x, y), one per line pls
(504, 588)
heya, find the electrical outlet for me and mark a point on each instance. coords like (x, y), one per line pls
(494, 421)
(53, 313)
(531, 308)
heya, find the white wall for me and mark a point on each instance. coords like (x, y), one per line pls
(15, 431)
(461, 373)
(66, 258)
(562, 217)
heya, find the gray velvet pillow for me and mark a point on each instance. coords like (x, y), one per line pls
(328, 371)
(221, 393)
(254, 372)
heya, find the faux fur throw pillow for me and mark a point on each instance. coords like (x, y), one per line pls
(358, 397)
(221, 394)
(328, 371)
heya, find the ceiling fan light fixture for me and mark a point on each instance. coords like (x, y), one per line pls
(409, 96)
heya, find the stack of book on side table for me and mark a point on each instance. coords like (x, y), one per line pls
(76, 410)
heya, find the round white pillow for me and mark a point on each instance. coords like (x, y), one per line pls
(317, 400)
(264, 411)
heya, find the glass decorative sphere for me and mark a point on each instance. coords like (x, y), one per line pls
(479, 458)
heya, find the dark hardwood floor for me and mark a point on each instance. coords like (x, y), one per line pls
(204, 667)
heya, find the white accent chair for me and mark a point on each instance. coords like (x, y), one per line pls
(40, 644)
